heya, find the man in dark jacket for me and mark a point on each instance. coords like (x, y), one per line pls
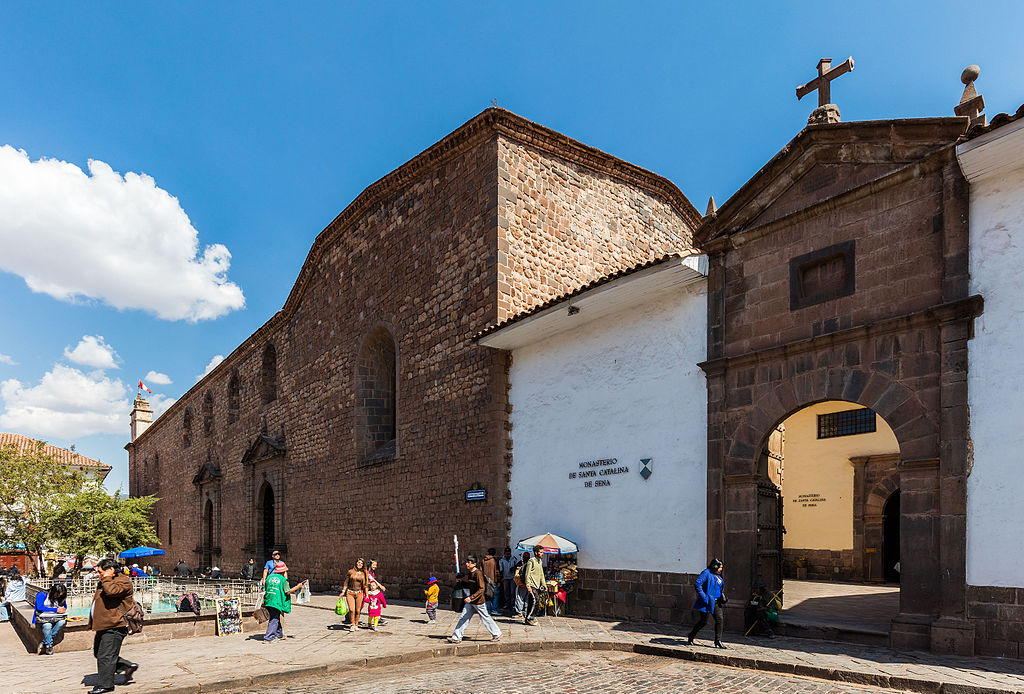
(182, 570)
(490, 569)
(475, 604)
(112, 600)
(249, 570)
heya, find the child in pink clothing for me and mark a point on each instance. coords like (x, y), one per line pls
(375, 604)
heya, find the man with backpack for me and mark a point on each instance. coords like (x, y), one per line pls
(475, 604)
(109, 619)
(490, 569)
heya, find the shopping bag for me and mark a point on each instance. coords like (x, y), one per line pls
(304, 595)
(341, 607)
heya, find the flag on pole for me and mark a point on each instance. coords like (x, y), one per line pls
(142, 386)
(456, 538)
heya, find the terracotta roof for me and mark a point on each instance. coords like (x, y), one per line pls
(999, 120)
(24, 443)
(576, 292)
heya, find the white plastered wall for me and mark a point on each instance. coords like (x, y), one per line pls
(626, 387)
(995, 488)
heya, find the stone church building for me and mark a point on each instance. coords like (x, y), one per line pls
(353, 422)
(562, 330)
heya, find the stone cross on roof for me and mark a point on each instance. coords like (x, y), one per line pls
(827, 112)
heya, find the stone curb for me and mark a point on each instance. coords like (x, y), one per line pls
(923, 686)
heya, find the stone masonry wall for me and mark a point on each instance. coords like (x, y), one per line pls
(896, 258)
(418, 254)
(998, 617)
(562, 225)
(435, 236)
(643, 596)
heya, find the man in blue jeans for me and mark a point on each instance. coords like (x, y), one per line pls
(475, 604)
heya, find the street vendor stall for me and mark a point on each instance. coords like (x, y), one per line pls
(559, 572)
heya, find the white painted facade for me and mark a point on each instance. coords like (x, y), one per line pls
(994, 166)
(626, 386)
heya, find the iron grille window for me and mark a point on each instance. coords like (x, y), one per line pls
(846, 423)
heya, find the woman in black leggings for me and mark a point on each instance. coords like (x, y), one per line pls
(710, 598)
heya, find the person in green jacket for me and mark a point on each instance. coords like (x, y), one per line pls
(533, 574)
(277, 598)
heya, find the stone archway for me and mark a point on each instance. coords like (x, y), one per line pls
(751, 394)
(871, 545)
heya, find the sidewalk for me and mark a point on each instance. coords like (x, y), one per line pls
(314, 643)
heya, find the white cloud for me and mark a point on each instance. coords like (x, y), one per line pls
(159, 403)
(157, 378)
(66, 404)
(217, 359)
(120, 240)
(92, 351)
(4, 359)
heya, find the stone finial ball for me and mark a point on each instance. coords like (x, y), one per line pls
(970, 73)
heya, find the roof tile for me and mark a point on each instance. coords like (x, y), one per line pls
(24, 443)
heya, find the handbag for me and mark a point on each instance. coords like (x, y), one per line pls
(50, 617)
(133, 617)
(261, 615)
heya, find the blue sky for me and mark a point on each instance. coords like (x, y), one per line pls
(263, 123)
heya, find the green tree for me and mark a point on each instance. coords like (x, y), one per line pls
(93, 522)
(33, 484)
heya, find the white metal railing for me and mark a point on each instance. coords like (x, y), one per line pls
(155, 595)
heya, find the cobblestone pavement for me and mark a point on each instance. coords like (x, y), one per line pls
(561, 671)
(316, 645)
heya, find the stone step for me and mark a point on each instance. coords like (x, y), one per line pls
(834, 631)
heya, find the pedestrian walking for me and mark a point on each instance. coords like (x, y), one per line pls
(375, 604)
(507, 571)
(113, 599)
(277, 598)
(522, 594)
(354, 591)
(490, 569)
(710, 599)
(431, 592)
(475, 604)
(533, 576)
(371, 575)
(51, 614)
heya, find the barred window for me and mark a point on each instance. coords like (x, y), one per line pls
(846, 423)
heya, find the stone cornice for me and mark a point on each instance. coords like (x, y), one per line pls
(962, 309)
(488, 124)
(927, 165)
(741, 208)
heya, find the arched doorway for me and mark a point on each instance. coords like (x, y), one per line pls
(891, 538)
(267, 524)
(822, 533)
(208, 519)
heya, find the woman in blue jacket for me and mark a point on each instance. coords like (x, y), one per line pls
(710, 598)
(51, 611)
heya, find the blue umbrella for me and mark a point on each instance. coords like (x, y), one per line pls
(135, 552)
